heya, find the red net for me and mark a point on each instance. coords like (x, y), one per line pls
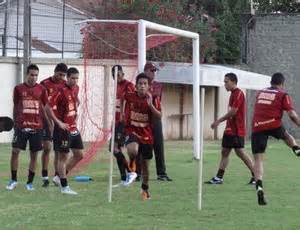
(106, 44)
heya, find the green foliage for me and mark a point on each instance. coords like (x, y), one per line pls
(228, 36)
(283, 6)
(217, 22)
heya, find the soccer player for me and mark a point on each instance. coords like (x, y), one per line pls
(30, 99)
(53, 85)
(64, 140)
(123, 86)
(268, 110)
(234, 133)
(140, 107)
(158, 146)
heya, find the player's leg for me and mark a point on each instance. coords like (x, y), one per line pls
(19, 143)
(57, 142)
(291, 142)
(45, 162)
(14, 163)
(62, 161)
(47, 138)
(225, 152)
(240, 152)
(66, 141)
(145, 152)
(31, 170)
(118, 154)
(132, 151)
(122, 163)
(258, 144)
(158, 147)
(76, 145)
(35, 145)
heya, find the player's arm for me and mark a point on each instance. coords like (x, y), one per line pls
(232, 112)
(155, 111)
(294, 117)
(50, 113)
(48, 120)
(288, 107)
(52, 116)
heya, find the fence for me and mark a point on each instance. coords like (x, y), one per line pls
(54, 32)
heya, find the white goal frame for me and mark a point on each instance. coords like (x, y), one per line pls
(198, 116)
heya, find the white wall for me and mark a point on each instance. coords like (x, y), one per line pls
(99, 106)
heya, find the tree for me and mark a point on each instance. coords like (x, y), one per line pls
(275, 6)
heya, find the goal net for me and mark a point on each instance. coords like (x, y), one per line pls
(132, 43)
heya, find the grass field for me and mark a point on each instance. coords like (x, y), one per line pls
(173, 205)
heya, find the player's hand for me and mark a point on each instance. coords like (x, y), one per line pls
(63, 126)
(51, 128)
(215, 124)
(149, 98)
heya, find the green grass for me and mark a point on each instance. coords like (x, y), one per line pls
(173, 205)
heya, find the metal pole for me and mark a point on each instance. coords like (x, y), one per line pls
(17, 38)
(200, 161)
(111, 159)
(141, 46)
(29, 35)
(26, 36)
(63, 30)
(4, 41)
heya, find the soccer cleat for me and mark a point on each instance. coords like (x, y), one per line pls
(214, 180)
(261, 197)
(164, 178)
(145, 194)
(45, 183)
(252, 181)
(138, 178)
(29, 187)
(121, 184)
(296, 150)
(130, 178)
(12, 184)
(56, 181)
(67, 190)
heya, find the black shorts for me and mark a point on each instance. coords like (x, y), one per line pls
(47, 136)
(145, 150)
(259, 140)
(35, 138)
(233, 141)
(63, 140)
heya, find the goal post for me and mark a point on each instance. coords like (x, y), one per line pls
(113, 49)
(198, 128)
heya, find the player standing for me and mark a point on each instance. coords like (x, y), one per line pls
(53, 85)
(268, 111)
(235, 131)
(140, 108)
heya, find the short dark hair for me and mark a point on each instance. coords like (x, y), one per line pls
(61, 67)
(232, 77)
(277, 79)
(72, 70)
(113, 70)
(32, 67)
(142, 76)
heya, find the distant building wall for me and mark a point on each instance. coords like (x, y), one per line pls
(10, 76)
(273, 45)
